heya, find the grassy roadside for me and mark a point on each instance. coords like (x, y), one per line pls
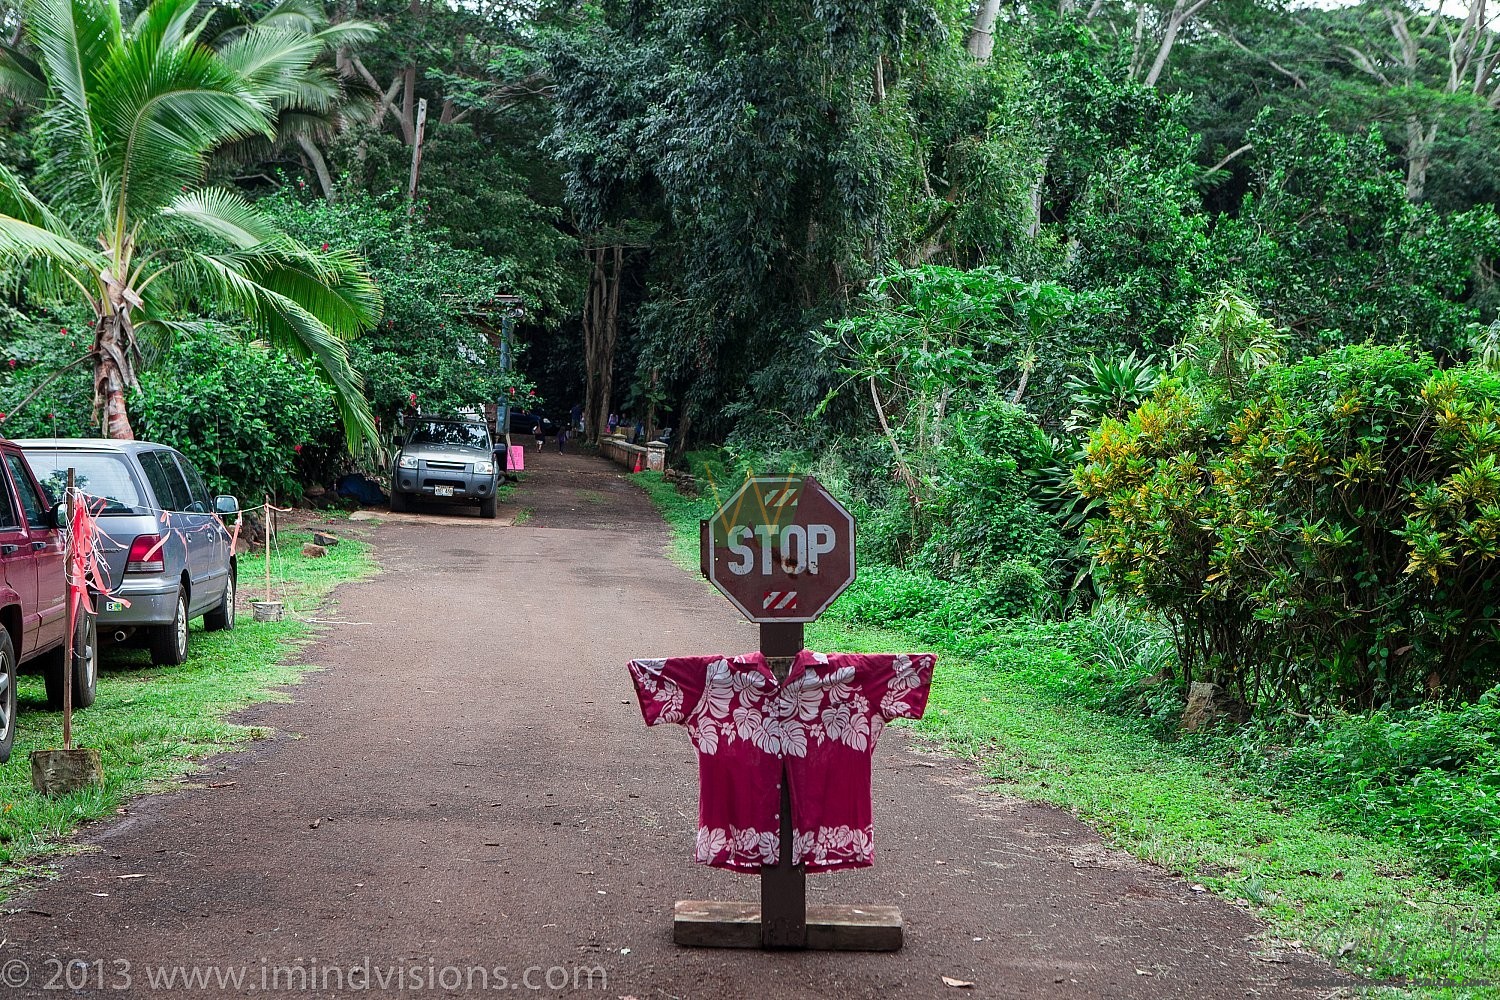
(154, 725)
(1369, 906)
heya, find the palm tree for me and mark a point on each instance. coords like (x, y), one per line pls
(131, 116)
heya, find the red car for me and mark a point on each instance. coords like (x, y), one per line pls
(33, 596)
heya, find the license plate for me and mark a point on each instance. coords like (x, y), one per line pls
(113, 606)
(442, 491)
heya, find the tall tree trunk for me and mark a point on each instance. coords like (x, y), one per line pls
(1181, 14)
(981, 41)
(1419, 140)
(319, 164)
(601, 320)
(113, 373)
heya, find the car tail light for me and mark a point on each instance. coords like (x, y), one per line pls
(146, 555)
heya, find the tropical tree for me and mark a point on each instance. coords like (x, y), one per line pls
(131, 115)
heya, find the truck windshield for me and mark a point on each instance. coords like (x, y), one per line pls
(101, 476)
(440, 432)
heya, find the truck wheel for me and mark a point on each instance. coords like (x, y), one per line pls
(221, 618)
(400, 502)
(8, 696)
(169, 643)
(85, 665)
(487, 508)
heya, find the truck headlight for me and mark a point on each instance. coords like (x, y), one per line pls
(407, 462)
(485, 468)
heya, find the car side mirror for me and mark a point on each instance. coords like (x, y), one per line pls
(225, 504)
(57, 516)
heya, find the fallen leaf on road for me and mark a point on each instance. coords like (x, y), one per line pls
(222, 784)
(1142, 972)
(102, 895)
(961, 984)
(1199, 888)
(315, 823)
(130, 876)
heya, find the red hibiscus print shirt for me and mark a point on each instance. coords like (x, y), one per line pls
(819, 726)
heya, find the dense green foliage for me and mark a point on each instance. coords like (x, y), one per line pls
(1324, 533)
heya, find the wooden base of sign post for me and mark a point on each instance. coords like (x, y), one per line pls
(712, 923)
(782, 918)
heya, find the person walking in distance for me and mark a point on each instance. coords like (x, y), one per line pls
(541, 434)
(562, 437)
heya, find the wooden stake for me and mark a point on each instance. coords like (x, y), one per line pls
(267, 527)
(67, 663)
(783, 889)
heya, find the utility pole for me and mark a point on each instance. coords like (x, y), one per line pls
(502, 409)
(416, 157)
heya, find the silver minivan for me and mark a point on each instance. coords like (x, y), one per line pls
(166, 550)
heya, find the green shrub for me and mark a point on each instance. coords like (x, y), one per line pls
(981, 515)
(254, 422)
(1328, 535)
(937, 610)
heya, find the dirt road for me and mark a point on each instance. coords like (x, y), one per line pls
(469, 784)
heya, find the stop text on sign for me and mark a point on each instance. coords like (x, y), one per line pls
(780, 548)
(799, 547)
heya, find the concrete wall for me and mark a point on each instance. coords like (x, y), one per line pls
(652, 457)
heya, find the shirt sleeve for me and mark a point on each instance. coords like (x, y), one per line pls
(908, 680)
(668, 689)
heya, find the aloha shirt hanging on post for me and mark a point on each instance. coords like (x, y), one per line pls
(819, 726)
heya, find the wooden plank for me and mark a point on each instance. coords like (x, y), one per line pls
(711, 923)
(702, 923)
(842, 927)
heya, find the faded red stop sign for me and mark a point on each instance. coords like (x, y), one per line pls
(781, 549)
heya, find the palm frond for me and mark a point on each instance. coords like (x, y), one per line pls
(17, 201)
(159, 113)
(72, 39)
(254, 288)
(163, 24)
(24, 245)
(276, 62)
(225, 215)
(20, 75)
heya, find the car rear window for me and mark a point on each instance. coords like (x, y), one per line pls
(101, 475)
(166, 481)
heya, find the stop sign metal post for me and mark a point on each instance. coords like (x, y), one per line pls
(782, 549)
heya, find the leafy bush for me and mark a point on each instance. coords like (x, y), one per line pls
(980, 520)
(936, 610)
(1329, 535)
(45, 386)
(253, 421)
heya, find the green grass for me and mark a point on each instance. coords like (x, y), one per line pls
(1176, 805)
(155, 725)
(523, 515)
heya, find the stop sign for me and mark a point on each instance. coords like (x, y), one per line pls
(781, 549)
